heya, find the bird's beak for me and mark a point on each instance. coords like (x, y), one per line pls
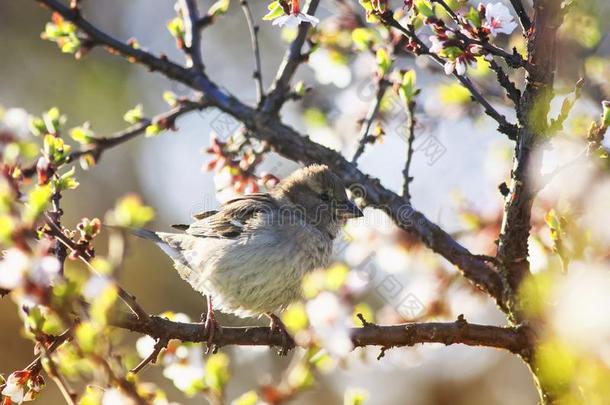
(350, 210)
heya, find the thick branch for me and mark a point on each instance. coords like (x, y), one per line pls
(533, 119)
(385, 336)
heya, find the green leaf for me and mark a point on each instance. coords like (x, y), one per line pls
(219, 8)
(247, 398)
(299, 88)
(473, 17)
(363, 38)
(7, 226)
(152, 130)
(384, 62)
(606, 113)
(407, 90)
(175, 27)
(55, 149)
(130, 212)
(295, 317)
(38, 198)
(217, 372)
(53, 120)
(92, 396)
(86, 336)
(82, 134)
(170, 98)
(37, 126)
(103, 303)
(355, 396)
(424, 7)
(67, 181)
(134, 115)
(454, 94)
(275, 11)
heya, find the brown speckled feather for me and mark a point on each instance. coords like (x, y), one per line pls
(232, 218)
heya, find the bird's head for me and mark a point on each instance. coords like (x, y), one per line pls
(320, 195)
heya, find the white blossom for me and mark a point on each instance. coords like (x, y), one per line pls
(13, 267)
(115, 396)
(187, 367)
(16, 386)
(437, 45)
(328, 71)
(330, 320)
(45, 271)
(294, 19)
(499, 19)
(458, 65)
(95, 286)
(16, 120)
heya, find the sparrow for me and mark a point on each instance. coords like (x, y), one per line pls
(249, 257)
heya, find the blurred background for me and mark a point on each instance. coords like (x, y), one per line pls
(454, 180)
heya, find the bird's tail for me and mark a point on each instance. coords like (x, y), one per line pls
(156, 238)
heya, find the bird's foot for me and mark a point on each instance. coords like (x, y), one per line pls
(277, 325)
(210, 329)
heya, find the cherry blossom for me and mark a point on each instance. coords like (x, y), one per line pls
(16, 386)
(499, 19)
(437, 45)
(293, 20)
(295, 17)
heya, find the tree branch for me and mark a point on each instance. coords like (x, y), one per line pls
(98, 146)
(253, 28)
(512, 92)
(533, 119)
(382, 85)
(504, 126)
(292, 59)
(127, 298)
(522, 14)
(192, 38)
(410, 138)
(409, 334)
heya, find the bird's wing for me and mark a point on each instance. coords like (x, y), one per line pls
(233, 217)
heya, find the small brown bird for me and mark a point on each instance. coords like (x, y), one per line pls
(250, 256)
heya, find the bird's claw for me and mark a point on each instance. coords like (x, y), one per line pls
(210, 327)
(277, 325)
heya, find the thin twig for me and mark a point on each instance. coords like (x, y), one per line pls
(66, 391)
(152, 357)
(97, 146)
(292, 59)
(192, 38)
(566, 107)
(365, 137)
(512, 92)
(410, 138)
(504, 126)
(522, 14)
(258, 75)
(85, 258)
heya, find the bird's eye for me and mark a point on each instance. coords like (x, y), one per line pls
(324, 197)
